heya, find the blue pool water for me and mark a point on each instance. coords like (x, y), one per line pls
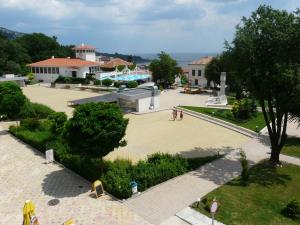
(130, 77)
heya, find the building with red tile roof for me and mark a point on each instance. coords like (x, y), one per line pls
(116, 62)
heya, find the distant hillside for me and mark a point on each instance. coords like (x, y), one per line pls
(134, 58)
(10, 34)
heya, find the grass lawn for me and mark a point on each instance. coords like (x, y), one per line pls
(261, 202)
(226, 115)
(292, 147)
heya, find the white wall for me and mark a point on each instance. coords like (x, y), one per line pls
(64, 71)
(156, 102)
(88, 56)
(143, 104)
(202, 82)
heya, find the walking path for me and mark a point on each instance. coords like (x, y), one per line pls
(159, 204)
(24, 175)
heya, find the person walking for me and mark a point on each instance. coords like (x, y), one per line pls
(181, 115)
(175, 114)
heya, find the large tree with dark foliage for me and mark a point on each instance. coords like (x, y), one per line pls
(13, 57)
(164, 69)
(96, 129)
(266, 54)
(41, 47)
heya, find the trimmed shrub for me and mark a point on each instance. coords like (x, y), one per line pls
(35, 110)
(117, 178)
(117, 84)
(292, 210)
(30, 123)
(58, 120)
(11, 99)
(158, 168)
(242, 109)
(71, 80)
(107, 82)
(132, 84)
(90, 77)
(37, 139)
(95, 129)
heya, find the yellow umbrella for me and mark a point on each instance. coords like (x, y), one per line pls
(29, 214)
(69, 222)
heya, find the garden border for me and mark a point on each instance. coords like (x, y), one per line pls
(220, 122)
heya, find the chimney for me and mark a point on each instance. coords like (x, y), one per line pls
(82, 44)
(52, 57)
(69, 57)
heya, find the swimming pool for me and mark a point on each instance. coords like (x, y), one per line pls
(129, 77)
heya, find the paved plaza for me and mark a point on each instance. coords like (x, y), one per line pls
(56, 99)
(191, 137)
(24, 175)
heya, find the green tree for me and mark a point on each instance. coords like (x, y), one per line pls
(11, 99)
(41, 47)
(223, 63)
(107, 82)
(96, 129)
(265, 55)
(164, 70)
(13, 57)
(132, 84)
(58, 120)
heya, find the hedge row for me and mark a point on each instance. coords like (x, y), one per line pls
(116, 176)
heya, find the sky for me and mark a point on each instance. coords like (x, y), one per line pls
(135, 26)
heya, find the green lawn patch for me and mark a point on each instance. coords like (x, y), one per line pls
(292, 147)
(261, 201)
(226, 115)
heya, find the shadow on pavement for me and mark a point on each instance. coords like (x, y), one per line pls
(222, 170)
(60, 184)
(202, 152)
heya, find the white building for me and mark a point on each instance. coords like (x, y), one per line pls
(196, 75)
(141, 99)
(85, 52)
(48, 70)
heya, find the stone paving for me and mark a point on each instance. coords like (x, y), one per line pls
(24, 175)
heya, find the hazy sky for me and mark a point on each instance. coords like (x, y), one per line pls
(135, 26)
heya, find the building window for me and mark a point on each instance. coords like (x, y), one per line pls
(196, 81)
(45, 70)
(53, 70)
(193, 72)
(49, 69)
(37, 70)
(57, 70)
(199, 73)
(41, 69)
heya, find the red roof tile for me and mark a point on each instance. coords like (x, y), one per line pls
(203, 61)
(64, 62)
(84, 47)
(116, 62)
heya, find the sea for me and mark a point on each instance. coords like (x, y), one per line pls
(183, 59)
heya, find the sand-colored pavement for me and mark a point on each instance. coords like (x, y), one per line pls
(57, 99)
(24, 175)
(191, 137)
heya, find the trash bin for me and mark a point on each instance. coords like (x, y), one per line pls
(134, 187)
